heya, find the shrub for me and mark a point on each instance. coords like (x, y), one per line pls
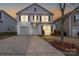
(58, 33)
(7, 33)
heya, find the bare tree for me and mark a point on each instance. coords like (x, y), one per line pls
(62, 7)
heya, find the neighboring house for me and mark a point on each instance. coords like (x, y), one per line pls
(34, 20)
(71, 24)
(7, 23)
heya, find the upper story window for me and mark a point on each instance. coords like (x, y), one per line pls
(35, 9)
(0, 15)
(76, 18)
(35, 17)
(24, 18)
(44, 19)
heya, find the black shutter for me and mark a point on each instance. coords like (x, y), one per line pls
(19, 18)
(0, 15)
(40, 18)
(37, 17)
(49, 18)
(51, 29)
(74, 19)
(28, 18)
(33, 17)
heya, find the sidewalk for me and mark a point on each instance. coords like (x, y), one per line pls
(39, 47)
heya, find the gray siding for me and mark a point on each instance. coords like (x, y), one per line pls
(8, 22)
(31, 11)
(66, 25)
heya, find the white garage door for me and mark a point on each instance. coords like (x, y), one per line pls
(24, 30)
(75, 32)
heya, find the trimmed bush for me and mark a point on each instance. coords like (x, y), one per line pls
(7, 33)
(58, 33)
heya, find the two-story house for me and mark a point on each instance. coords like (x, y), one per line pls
(71, 24)
(34, 20)
(7, 22)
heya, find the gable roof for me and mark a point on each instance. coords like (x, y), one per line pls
(8, 15)
(38, 6)
(68, 14)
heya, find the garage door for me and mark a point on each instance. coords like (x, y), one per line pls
(24, 30)
(75, 32)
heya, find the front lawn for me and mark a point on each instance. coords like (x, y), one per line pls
(69, 47)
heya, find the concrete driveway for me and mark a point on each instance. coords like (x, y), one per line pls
(15, 45)
(27, 45)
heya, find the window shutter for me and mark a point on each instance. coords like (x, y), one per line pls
(28, 18)
(51, 29)
(40, 18)
(33, 17)
(49, 18)
(0, 15)
(74, 19)
(19, 18)
(37, 17)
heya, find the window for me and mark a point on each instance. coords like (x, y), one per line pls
(24, 18)
(35, 17)
(45, 19)
(0, 15)
(35, 9)
(0, 18)
(76, 18)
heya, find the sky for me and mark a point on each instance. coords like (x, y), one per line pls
(13, 8)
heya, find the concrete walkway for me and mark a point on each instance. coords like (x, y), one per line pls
(27, 45)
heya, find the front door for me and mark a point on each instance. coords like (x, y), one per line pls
(46, 29)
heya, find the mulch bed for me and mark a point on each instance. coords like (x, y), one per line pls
(3, 37)
(68, 49)
(6, 34)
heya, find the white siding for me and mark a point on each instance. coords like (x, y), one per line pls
(31, 10)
